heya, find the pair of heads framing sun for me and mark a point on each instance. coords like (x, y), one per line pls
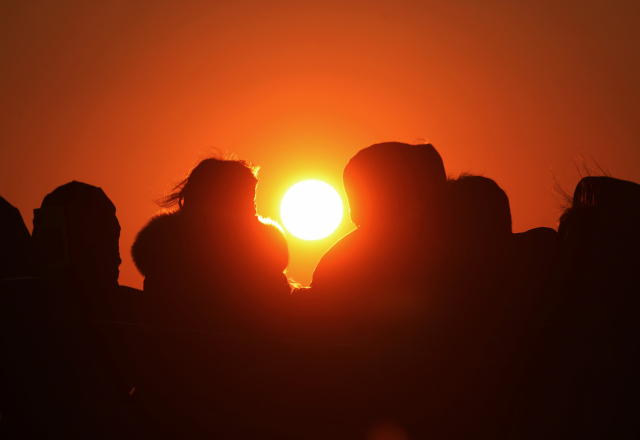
(386, 184)
(313, 209)
(211, 241)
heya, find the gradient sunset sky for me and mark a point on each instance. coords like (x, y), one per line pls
(128, 95)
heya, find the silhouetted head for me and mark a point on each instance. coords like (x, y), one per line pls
(480, 208)
(92, 231)
(217, 186)
(394, 183)
(605, 191)
(14, 243)
(594, 192)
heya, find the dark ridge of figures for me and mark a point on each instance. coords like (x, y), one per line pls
(431, 320)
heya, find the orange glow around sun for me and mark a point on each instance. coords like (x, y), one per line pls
(311, 210)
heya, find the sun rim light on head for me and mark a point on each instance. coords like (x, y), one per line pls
(311, 210)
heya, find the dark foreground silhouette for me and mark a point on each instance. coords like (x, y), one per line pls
(56, 370)
(431, 320)
(374, 281)
(76, 239)
(586, 382)
(213, 263)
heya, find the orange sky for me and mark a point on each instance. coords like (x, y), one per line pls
(127, 96)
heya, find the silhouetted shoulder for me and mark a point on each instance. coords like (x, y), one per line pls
(541, 234)
(336, 266)
(156, 242)
(540, 239)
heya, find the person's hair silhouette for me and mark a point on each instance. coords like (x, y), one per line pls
(480, 208)
(397, 198)
(218, 187)
(213, 261)
(393, 183)
(598, 192)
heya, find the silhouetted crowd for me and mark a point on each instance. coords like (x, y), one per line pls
(431, 320)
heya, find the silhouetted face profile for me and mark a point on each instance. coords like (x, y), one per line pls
(92, 232)
(393, 182)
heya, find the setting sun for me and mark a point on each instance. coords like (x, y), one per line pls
(311, 210)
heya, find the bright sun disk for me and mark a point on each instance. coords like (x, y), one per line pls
(311, 210)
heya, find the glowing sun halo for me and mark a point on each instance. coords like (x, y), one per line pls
(311, 210)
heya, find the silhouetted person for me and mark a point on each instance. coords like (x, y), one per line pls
(213, 262)
(481, 219)
(58, 362)
(469, 301)
(372, 279)
(76, 234)
(588, 382)
(15, 243)
(498, 280)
